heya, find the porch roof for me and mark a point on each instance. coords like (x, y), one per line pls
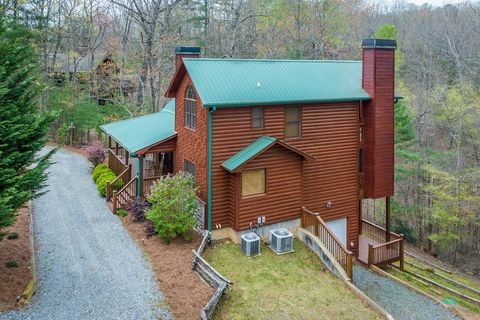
(142, 132)
(236, 162)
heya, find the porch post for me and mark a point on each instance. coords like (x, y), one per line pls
(140, 175)
(116, 148)
(126, 157)
(109, 142)
(387, 219)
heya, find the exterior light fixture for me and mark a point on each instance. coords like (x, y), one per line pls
(329, 204)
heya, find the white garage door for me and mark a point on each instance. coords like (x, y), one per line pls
(339, 228)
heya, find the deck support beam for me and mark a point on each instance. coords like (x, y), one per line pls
(387, 219)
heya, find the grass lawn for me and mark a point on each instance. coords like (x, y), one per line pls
(291, 286)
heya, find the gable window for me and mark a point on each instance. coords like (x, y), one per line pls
(189, 167)
(258, 119)
(253, 182)
(293, 122)
(190, 108)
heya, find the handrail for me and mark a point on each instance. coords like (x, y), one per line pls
(115, 163)
(386, 244)
(124, 195)
(148, 183)
(125, 176)
(395, 235)
(315, 224)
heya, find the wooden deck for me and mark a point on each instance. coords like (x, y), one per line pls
(363, 243)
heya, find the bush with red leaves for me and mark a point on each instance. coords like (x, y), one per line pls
(96, 153)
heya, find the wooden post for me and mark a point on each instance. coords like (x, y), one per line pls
(402, 254)
(349, 267)
(109, 142)
(116, 148)
(114, 201)
(129, 173)
(126, 157)
(387, 219)
(317, 231)
(370, 254)
(108, 188)
(360, 216)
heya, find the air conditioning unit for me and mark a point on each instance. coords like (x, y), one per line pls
(250, 244)
(281, 241)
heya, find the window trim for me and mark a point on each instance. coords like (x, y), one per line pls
(188, 114)
(300, 121)
(252, 118)
(191, 164)
(257, 194)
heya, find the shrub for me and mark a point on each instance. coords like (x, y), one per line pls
(11, 264)
(107, 176)
(95, 152)
(138, 208)
(122, 212)
(149, 229)
(174, 202)
(99, 170)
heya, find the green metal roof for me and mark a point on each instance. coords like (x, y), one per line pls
(237, 82)
(138, 133)
(255, 148)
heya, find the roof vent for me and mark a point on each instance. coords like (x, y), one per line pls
(258, 84)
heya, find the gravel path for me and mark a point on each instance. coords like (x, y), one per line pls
(88, 267)
(401, 302)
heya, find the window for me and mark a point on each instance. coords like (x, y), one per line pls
(190, 108)
(293, 122)
(257, 118)
(189, 167)
(253, 182)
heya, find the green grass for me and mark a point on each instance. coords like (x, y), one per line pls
(436, 291)
(291, 286)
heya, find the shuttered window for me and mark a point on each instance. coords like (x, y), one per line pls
(190, 108)
(293, 122)
(253, 182)
(257, 118)
(189, 167)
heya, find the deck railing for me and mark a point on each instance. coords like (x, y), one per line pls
(123, 197)
(383, 252)
(148, 184)
(124, 176)
(314, 224)
(115, 163)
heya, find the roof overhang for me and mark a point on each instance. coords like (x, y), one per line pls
(237, 162)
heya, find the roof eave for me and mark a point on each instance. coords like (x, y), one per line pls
(288, 102)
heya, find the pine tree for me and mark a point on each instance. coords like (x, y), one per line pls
(22, 127)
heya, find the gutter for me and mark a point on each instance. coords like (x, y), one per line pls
(209, 179)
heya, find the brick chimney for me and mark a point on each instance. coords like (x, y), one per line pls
(185, 52)
(378, 80)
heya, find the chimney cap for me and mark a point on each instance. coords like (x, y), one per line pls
(187, 50)
(372, 43)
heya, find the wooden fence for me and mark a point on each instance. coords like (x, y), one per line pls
(124, 176)
(314, 224)
(211, 276)
(383, 252)
(115, 163)
(123, 197)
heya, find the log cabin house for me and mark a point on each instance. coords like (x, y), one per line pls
(297, 143)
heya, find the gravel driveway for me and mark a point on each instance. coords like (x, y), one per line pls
(401, 302)
(88, 267)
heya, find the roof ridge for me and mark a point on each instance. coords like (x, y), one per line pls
(272, 60)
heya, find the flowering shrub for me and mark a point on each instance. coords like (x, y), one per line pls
(173, 204)
(96, 154)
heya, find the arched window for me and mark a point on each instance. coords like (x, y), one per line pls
(190, 108)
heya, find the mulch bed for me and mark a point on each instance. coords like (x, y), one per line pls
(14, 280)
(185, 292)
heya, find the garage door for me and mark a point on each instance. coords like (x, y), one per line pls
(339, 228)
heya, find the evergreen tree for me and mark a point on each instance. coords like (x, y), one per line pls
(23, 127)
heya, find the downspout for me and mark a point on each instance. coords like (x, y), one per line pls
(139, 186)
(209, 182)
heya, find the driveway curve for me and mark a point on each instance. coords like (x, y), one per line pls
(88, 267)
